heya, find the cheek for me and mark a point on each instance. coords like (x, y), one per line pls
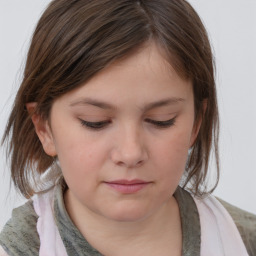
(81, 158)
(78, 156)
(171, 155)
(175, 146)
(78, 167)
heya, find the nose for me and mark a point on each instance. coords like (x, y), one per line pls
(129, 150)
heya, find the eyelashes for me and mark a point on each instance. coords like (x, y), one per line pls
(102, 124)
(162, 124)
(95, 125)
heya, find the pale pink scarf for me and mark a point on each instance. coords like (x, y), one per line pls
(50, 240)
(219, 234)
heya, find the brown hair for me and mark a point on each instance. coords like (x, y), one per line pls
(75, 39)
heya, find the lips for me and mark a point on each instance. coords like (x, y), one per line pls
(128, 186)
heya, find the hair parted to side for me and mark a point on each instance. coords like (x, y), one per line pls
(75, 39)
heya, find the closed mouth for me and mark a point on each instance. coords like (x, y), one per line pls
(127, 182)
(127, 186)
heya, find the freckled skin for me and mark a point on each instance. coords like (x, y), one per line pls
(128, 147)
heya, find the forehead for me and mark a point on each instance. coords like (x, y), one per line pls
(144, 75)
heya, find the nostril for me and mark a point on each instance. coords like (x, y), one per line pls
(129, 160)
(140, 163)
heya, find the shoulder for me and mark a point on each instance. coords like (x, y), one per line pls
(19, 236)
(246, 224)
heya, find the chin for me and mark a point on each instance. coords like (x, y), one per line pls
(126, 214)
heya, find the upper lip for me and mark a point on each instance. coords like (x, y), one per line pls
(127, 182)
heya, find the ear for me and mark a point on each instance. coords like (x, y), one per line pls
(197, 124)
(42, 129)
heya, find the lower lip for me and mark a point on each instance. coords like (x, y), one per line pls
(127, 188)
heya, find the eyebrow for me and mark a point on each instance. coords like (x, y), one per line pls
(108, 106)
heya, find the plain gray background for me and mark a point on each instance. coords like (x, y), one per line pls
(232, 28)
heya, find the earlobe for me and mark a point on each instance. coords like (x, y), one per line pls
(42, 129)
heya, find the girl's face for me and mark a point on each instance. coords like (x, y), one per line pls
(122, 138)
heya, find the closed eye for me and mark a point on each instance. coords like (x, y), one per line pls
(162, 124)
(95, 125)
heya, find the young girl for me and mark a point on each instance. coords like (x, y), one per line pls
(110, 136)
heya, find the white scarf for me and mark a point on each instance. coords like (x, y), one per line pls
(50, 241)
(219, 234)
